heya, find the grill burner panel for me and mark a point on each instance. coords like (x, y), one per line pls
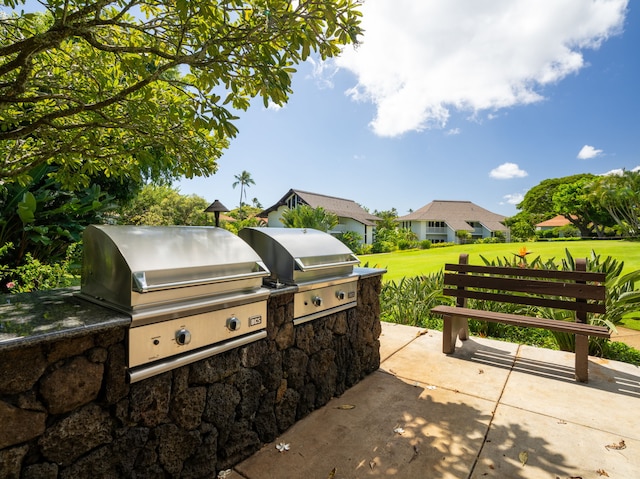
(316, 300)
(160, 340)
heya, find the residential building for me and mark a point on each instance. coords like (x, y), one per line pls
(439, 220)
(555, 222)
(351, 216)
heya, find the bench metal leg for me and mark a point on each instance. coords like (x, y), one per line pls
(453, 327)
(582, 358)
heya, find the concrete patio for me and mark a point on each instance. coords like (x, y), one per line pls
(493, 409)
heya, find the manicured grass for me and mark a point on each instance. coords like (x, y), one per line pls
(417, 262)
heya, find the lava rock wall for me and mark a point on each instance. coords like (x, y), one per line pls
(67, 411)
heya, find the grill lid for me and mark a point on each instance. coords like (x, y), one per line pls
(131, 266)
(295, 255)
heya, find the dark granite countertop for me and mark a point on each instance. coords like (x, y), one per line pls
(34, 318)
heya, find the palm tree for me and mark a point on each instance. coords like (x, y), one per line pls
(620, 196)
(304, 216)
(244, 180)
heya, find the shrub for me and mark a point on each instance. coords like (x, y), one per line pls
(383, 247)
(364, 249)
(404, 244)
(442, 245)
(34, 275)
(425, 244)
(410, 300)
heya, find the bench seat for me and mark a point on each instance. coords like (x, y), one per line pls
(529, 321)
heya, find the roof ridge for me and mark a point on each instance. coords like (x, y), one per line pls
(320, 194)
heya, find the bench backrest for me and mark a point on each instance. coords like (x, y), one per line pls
(579, 291)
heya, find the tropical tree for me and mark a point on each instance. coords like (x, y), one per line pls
(133, 87)
(164, 205)
(304, 216)
(575, 202)
(387, 218)
(620, 196)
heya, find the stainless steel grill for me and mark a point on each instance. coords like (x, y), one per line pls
(320, 266)
(191, 291)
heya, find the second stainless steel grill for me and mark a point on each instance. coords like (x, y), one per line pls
(320, 266)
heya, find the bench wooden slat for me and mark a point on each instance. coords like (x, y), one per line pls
(550, 288)
(589, 276)
(530, 321)
(527, 300)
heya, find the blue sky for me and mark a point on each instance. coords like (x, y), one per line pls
(455, 100)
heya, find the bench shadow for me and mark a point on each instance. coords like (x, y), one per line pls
(601, 376)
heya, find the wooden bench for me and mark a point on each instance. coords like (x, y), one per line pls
(578, 291)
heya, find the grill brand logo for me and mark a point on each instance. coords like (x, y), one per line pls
(255, 320)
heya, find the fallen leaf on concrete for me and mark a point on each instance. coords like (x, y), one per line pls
(346, 406)
(524, 457)
(372, 464)
(617, 447)
(480, 371)
(422, 333)
(332, 474)
(602, 472)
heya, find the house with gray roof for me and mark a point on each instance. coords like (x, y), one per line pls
(439, 220)
(351, 215)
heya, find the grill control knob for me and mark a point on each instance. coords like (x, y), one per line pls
(183, 336)
(233, 323)
(341, 295)
(317, 301)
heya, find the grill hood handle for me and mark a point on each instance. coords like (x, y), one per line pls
(140, 285)
(304, 267)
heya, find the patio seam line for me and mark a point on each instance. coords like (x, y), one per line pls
(398, 350)
(493, 413)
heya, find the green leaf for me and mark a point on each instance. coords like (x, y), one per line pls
(27, 208)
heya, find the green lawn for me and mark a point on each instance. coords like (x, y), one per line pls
(416, 262)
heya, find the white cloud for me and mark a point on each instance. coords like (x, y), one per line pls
(453, 131)
(323, 73)
(587, 152)
(514, 199)
(274, 106)
(619, 171)
(506, 171)
(421, 59)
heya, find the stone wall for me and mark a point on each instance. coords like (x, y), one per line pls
(66, 410)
